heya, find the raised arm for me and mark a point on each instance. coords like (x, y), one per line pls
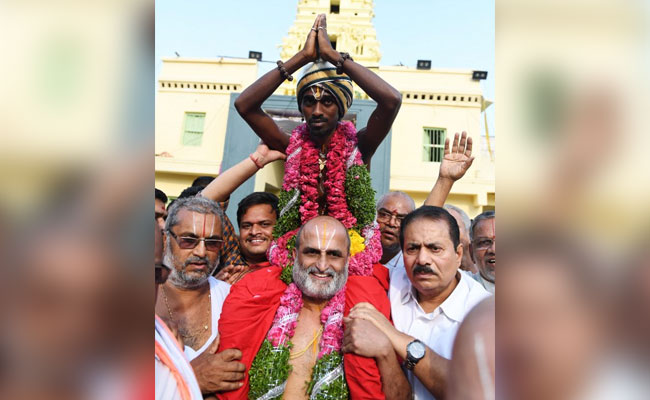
(249, 102)
(387, 97)
(453, 167)
(222, 186)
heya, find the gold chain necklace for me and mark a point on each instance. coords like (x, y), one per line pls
(313, 342)
(171, 315)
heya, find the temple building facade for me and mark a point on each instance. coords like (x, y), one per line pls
(198, 131)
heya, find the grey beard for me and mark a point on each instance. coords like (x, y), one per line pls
(180, 279)
(312, 289)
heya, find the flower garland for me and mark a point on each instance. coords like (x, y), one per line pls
(348, 193)
(350, 199)
(270, 368)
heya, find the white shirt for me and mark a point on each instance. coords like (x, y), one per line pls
(487, 285)
(218, 292)
(436, 329)
(165, 383)
(396, 262)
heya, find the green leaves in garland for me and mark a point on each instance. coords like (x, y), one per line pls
(269, 369)
(360, 195)
(286, 275)
(290, 220)
(337, 389)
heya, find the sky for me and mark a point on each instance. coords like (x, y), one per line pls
(450, 33)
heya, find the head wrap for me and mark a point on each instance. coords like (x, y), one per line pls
(324, 74)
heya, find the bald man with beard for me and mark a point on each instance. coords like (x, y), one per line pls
(320, 275)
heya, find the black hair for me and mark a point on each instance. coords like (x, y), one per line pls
(434, 214)
(160, 195)
(254, 199)
(202, 181)
(190, 192)
(477, 219)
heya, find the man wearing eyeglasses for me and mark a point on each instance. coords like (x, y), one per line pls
(174, 376)
(192, 299)
(391, 210)
(483, 249)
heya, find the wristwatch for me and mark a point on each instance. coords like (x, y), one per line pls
(414, 353)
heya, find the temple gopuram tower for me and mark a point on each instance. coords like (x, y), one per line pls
(349, 26)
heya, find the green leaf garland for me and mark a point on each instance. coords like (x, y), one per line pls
(290, 220)
(360, 195)
(269, 369)
(338, 389)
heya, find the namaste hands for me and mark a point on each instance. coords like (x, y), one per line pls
(456, 163)
(318, 44)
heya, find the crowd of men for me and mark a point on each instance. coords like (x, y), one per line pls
(433, 285)
(421, 325)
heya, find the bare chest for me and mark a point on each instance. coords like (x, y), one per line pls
(303, 355)
(194, 324)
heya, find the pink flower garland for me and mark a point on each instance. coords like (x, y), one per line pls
(286, 319)
(301, 172)
(278, 253)
(361, 263)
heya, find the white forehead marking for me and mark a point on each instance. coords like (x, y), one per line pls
(327, 246)
(318, 239)
(194, 224)
(214, 217)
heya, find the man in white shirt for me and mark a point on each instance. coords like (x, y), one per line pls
(392, 207)
(175, 378)
(483, 249)
(191, 299)
(429, 305)
(464, 224)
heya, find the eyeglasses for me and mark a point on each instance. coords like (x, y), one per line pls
(484, 243)
(188, 242)
(162, 272)
(385, 216)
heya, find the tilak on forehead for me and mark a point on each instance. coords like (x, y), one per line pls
(322, 246)
(317, 91)
(200, 224)
(320, 76)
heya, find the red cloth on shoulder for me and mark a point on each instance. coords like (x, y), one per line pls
(249, 310)
(382, 274)
(362, 373)
(246, 317)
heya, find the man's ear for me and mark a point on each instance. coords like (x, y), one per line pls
(471, 252)
(164, 239)
(459, 253)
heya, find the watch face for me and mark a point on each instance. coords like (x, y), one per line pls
(416, 349)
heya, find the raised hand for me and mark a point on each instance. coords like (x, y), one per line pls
(325, 48)
(457, 161)
(310, 49)
(264, 155)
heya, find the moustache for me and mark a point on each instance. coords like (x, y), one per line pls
(319, 119)
(196, 260)
(315, 270)
(419, 269)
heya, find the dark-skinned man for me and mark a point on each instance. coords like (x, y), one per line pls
(323, 99)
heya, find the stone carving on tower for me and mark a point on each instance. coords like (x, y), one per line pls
(349, 25)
